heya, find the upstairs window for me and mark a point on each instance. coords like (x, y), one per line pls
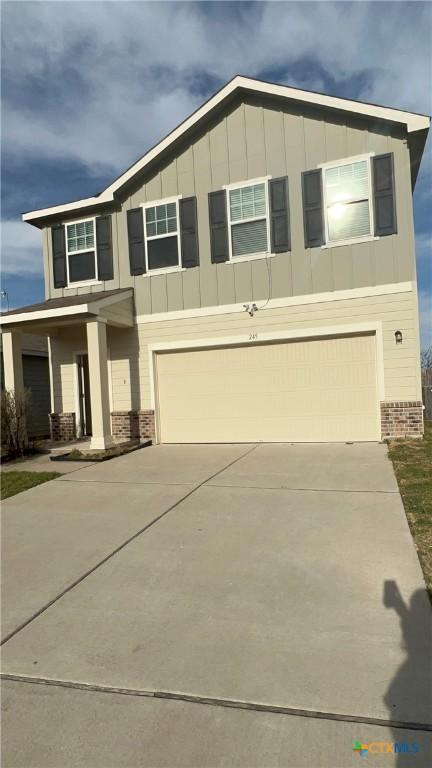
(348, 200)
(81, 251)
(248, 220)
(162, 236)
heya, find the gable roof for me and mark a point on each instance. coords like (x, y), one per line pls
(412, 121)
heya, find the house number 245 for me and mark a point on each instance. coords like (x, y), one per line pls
(253, 336)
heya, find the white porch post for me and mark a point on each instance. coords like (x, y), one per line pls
(99, 388)
(12, 362)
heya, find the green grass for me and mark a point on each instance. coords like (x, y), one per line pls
(412, 462)
(15, 482)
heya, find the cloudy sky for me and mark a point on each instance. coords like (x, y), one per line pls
(89, 86)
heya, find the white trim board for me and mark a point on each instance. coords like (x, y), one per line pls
(91, 308)
(51, 375)
(322, 331)
(412, 121)
(289, 301)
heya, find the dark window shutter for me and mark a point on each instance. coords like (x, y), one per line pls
(384, 195)
(135, 225)
(59, 255)
(279, 215)
(189, 232)
(104, 248)
(218, 226)
(312, 208)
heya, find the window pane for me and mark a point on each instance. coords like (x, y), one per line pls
(172, 225)
(347, 182)
(150, 214)
(171, 210)
(249, 238)
(160, 211)
(151, 228)
(345, 221)
(162, 253)
(82, 267)
(259, 200)
(236, 212)
(235, 197)
(161, 227)
(247, 202)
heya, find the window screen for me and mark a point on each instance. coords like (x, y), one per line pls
(248, 216)
(82, 266)
(347, 200)
(162, 253)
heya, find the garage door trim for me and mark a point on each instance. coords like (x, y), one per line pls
(255, 338)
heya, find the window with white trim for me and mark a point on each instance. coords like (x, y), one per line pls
(162, 234)
(248, 220)
(348, 200)
(81, 251)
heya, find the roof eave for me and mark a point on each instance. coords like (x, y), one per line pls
(412, 121)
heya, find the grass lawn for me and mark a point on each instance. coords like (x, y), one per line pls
(412, 462)
(15, 482)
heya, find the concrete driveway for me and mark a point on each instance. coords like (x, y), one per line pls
(224, 605)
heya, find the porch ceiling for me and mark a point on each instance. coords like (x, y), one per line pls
(115, 307)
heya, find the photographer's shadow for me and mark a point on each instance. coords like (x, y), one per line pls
(409, 695)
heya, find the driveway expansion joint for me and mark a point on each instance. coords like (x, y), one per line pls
(300, 490)
(119, 549)
(224, 703)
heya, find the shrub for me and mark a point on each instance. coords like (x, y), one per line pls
(15, 412)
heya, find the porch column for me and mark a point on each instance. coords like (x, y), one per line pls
(12, 361)
(99, 387)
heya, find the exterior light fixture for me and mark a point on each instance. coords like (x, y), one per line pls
(398, 337)
(250, 308)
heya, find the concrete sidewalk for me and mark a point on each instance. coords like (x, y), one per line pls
(280, 576)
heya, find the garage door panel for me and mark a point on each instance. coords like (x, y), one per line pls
(314, 390)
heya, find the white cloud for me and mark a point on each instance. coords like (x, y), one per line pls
(117, 76)
(21, 247)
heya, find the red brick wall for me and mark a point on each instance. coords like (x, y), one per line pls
(401, 419)
(133, 424)
(62, 426)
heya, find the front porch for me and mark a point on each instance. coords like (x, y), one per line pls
(80, 386)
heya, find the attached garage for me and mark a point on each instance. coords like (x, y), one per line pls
(309, 390)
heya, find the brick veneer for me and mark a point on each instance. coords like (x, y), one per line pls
(62, 426)
(130, 424)
(401, 419)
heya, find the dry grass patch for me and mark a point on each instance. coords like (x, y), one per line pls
(412, 462)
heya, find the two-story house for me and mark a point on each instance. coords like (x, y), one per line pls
(251, 278)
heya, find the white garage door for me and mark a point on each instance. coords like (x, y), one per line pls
(315, 390)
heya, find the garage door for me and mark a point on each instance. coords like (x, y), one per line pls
(318, 390)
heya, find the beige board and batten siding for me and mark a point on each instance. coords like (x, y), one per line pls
(256, 138)
(64, 345)
(130, 359)
(314, 390)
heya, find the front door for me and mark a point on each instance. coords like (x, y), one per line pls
(84, 395)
